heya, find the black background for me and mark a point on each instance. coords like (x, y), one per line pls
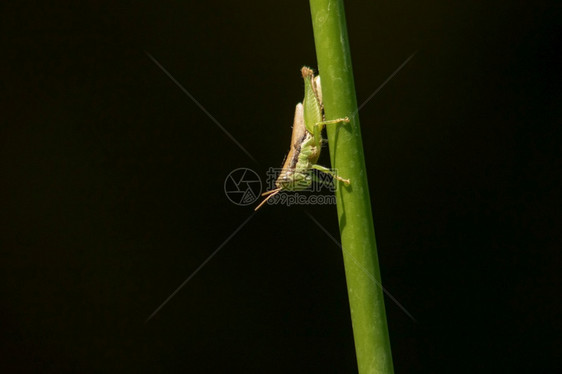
(112, 188)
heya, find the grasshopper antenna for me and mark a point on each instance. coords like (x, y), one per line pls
(270, 193)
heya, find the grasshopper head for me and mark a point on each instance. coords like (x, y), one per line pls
(288, 181)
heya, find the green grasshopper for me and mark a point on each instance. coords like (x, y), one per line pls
(306, 141)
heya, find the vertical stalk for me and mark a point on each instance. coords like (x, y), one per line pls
(366, 301)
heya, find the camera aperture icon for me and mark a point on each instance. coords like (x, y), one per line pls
(242, 186)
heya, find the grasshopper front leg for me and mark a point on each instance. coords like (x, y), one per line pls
(328, 171)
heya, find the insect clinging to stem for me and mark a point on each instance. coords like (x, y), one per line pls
(306, 141)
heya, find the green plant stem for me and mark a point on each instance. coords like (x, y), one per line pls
(366, 301)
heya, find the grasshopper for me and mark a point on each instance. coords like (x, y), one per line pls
(306, 141)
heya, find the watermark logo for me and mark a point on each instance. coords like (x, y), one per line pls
(242, 186)
(315, 181)
(297, 198)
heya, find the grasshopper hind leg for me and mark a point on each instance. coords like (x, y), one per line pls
(333, 121)
(318, 126)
